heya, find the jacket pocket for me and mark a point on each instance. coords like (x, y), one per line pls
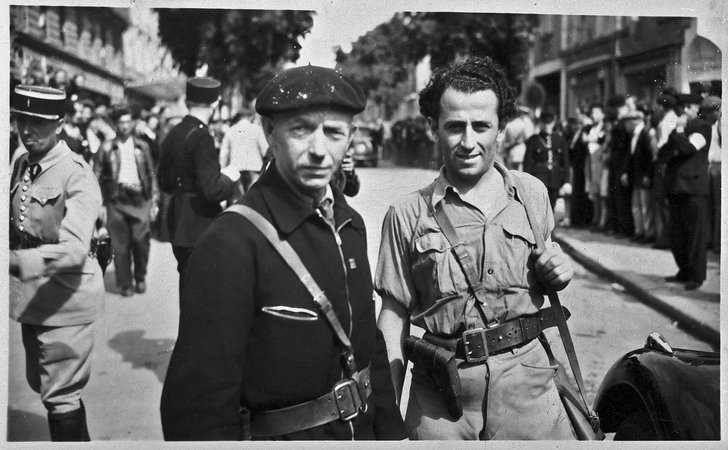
(45, 195)
(513, 254)
(291, 313)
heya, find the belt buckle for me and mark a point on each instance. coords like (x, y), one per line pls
(348, 399)
(475, 339)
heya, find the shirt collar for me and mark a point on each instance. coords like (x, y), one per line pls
(442, 184)
(288, 209)
(638, 128)
(57, 153)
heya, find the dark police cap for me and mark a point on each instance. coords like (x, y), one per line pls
(203, 90)
(38, 101)
(310, 87)
(690, 99)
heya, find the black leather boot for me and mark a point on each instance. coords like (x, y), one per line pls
(69, 426)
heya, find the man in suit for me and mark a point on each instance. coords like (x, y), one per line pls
(620, 195)
(125, 171)
(189, 170)
(547, 155)
(640, 168)
(687, 193)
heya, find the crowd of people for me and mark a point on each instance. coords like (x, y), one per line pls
(647, 173)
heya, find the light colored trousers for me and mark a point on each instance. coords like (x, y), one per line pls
(643, 212)
(58, 364)
(511, 396)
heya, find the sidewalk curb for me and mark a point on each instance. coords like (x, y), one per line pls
(689, 323)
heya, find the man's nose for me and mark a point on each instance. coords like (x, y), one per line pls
(317, 143)
(468, 137)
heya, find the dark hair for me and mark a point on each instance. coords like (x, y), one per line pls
(120, 111)
(472, 75)
(616, 101)
(548, 114)
(667, 101)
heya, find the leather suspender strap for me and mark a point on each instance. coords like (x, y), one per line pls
(556, 306)
(291, 258)
(461, 254)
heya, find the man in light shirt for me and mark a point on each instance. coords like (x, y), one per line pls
(711, 111)
(125, 171)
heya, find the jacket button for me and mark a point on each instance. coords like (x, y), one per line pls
(490, 271)
(25, 188)
(21, 218)
(22, 208)
(26, 178)
(21, 228)
(23, 198)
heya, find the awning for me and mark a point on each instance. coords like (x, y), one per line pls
(170, 89)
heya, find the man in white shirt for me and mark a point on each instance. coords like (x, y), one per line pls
(125, 171)
(711, 112)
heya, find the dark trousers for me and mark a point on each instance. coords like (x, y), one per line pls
(689, 235)
(553, 196)
(129, 227)
(620, 208)
(714, 237)
(182, 254)
(661, 209)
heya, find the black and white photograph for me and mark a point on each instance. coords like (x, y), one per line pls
(363, 220)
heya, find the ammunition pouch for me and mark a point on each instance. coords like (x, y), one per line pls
(441, 366)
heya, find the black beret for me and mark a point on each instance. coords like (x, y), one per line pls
(667, 100)
(39, 101)
(203, 90)
(309, 87)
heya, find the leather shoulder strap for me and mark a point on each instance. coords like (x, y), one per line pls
(460, 252)
(293, 261)
(554, 297)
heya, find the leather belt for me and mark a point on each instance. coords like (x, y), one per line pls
(474, 346)
(347, 398)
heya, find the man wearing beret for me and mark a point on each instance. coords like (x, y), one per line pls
(189, 170)
(255, 357)
(56, 288)
(508, 391)
(688, 188)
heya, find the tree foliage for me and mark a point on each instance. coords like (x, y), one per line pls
(246, 46)
(381, 59)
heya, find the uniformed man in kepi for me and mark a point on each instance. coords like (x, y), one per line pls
(458, 259)
(56, 288)
(255, 356)
(189, 170)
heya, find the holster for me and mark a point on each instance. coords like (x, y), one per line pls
(441, 366)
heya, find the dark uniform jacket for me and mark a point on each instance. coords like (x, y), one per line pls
(189, 169)
(107, 162)
(244, 339)
(619, 151)
(536, 159)
(687, 166)
(640, 164)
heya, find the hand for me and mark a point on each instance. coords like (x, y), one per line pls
(624, 179)
(553, 268)
(231, 172)
(347, 165)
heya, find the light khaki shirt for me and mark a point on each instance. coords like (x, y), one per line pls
(58, 283)
(417, 268)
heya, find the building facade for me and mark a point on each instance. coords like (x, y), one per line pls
(578, 60)
(107, 55)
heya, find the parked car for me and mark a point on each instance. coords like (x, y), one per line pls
(362, 148)
(661, 393)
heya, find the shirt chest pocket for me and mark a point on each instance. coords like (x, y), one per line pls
(435, 271)
(509, 261)
(45, 209)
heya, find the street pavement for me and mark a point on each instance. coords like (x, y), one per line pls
(135, 335)
(641, 270)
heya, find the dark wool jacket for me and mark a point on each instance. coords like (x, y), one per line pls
(107, 163)
(640, 163)
(687, 167)
(238, 347)
(189, 169)
(535, 161)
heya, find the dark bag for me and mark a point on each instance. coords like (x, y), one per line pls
(102, 251)
(441, 365)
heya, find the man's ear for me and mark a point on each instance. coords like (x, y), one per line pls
(501, 135)
(59, 126)
(432, 123)
(268, 128)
